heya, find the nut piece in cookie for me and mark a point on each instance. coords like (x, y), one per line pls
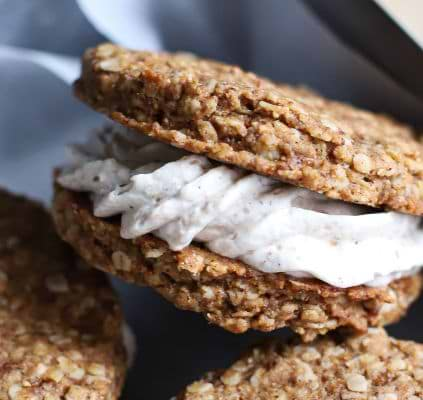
(370, 366)
(60, 322)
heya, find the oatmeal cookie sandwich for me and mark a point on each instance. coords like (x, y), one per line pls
(257, 204)
(61, 327)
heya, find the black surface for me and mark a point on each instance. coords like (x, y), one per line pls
(364, 26)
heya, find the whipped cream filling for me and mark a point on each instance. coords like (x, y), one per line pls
(271, 226)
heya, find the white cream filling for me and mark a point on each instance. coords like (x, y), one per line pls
(271, 226)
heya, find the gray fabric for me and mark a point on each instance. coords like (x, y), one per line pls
(56, 26)
(280, 39)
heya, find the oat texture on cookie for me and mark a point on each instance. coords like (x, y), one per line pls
(60, 322)
(369, 366)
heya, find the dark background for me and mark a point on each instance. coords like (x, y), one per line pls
(279, 39)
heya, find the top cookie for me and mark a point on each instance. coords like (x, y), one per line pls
(60, 322)
(237, 117)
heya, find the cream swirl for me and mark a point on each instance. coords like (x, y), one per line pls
(271, 226)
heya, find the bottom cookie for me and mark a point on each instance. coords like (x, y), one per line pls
(369, 366)
(61, 327)
(228, 292)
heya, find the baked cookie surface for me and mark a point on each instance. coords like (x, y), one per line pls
(228, 292)
(237, 117)
(370, 366)
(60, 322)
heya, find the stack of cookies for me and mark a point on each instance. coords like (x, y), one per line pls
(259, 205)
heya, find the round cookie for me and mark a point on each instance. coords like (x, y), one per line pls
(228, 292)
(60, 322)
(237, 117)
(370, 366)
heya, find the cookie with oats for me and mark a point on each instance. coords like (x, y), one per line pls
(370, 366)
(228, 292)
(60, 322)
(236, 117)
